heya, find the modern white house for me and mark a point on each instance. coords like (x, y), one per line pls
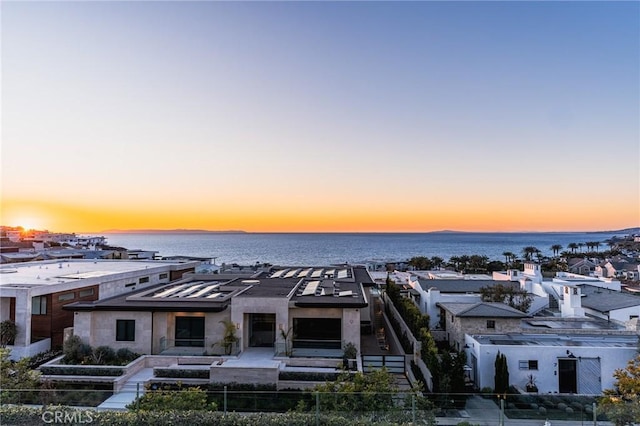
(303, 310)
(33, 294)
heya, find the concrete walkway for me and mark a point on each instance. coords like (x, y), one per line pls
(131, 389)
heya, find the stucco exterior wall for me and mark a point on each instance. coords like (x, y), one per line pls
(611, 358)
(624, 315)
(242, 306)
(99, 328)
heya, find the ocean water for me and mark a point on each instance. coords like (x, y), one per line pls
(326, 248)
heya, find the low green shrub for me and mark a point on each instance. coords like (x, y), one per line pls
(305, 376)
(103, 355)
(181, 373)
(28, 416)
(71, 370)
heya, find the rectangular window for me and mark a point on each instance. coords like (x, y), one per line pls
(491, 324)
(66, 296)
(39, 305)
(130, 285)
(143, 280)
(125, 330)
(189, 331)
(164, 276)
(531, 364)
(85, 293)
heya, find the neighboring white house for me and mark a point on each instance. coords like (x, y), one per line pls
(560, 363)
(32, 294)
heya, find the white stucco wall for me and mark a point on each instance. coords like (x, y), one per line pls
(242, 306)
(625, 314)
(611, 358)
(99, 328)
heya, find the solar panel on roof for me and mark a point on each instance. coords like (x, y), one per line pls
(304, 273)
(278, 273)
(188, 290)
(317, 273)
(203, 291)
(310, 288)
(291, 273)
(169, 291)
(345, 293)
(342, 273)
(213, 296)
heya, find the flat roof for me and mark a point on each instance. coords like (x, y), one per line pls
(50, 272)
(463, 286)
(553, 323)
(329, 293)
(583, 340)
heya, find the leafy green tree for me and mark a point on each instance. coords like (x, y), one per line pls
(75, 351)
(168, 399)
(8, 332)
(452, 377)
(437, 262)
(16, 378)
(359, 392)
(514, 297)
(478, 263)
(622, 404)
(421, 263)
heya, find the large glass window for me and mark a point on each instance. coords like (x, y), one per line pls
(125, 330)
(190, 331)
(39, 305)
(317, 333)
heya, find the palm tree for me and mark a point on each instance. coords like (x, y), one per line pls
(229, 337)
(596, 244)
(464, 262)
(573, 247)
(437, 262)
(556, 249)
(508, 256)
(455, 261)
(580, 245)
(529, 251)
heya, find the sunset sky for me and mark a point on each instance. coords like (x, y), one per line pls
(314, 116)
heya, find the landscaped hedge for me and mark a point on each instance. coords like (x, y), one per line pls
(74, 370)
(307, 376)
(181, 373)
(27, 416)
